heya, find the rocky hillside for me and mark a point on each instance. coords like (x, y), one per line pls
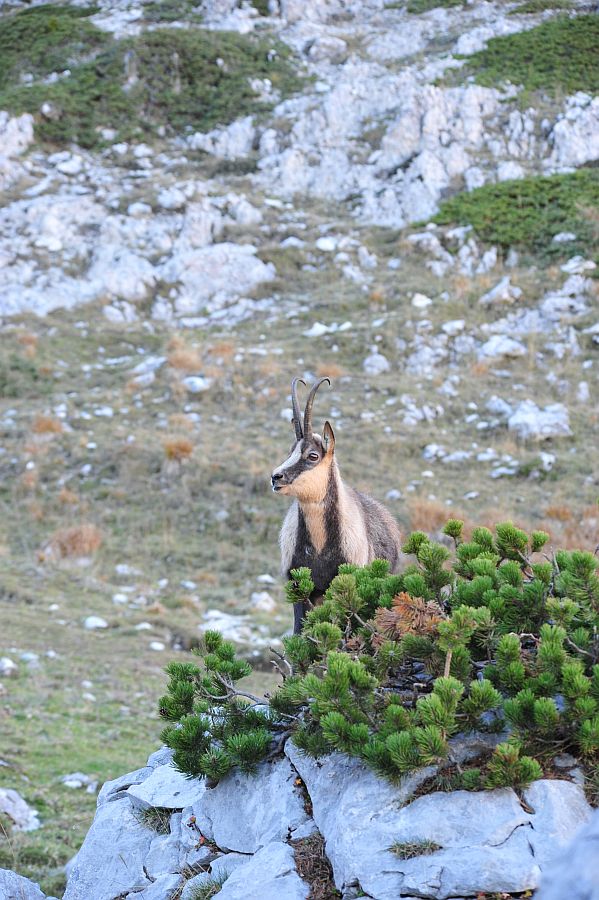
(201, 201)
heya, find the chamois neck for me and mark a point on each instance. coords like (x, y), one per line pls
(317, 489)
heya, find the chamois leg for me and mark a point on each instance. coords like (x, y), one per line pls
(299, 611)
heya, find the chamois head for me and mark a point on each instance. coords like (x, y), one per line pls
(304, 474)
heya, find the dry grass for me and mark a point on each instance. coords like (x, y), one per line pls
(223, 351)
(314, 867)
(330, 370)
(78, 541)
(28, 342)
(46, 425)
(559, 512)
(428, 515)
(180, 422)
(68, 497)
(29, 480)
(178, 449)
(185, 359)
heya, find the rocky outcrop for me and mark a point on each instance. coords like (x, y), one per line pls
(575, 872)
(15, 887)
(485, 841)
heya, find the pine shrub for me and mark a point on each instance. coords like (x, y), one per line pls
(389, 667)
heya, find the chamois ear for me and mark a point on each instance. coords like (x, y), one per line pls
(328, 438)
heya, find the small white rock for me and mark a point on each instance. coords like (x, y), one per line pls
(197, 384)
(376, 364)
(421, 301)
(262, 601)
(94, 622)
(576, 265)
(326, 244)
(8, 667)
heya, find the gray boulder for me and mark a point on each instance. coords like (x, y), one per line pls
(246, 812)
(529, 421)
(166, 788)
(575, 872)
(487, 841)
(270, 875)
(15, 887)
(162, 889)
(111, 860)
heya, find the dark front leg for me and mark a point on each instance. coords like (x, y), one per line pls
(299, 611)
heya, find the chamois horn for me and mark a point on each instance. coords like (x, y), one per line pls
(308, 410)
(297, 416)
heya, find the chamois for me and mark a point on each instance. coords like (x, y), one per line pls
(328, 523)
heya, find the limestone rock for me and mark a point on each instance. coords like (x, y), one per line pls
(233, 141)
(488, 841)
(574, 873)
(376, 364)
(116, 789)
(247, 812)
(16, 887)
(21, 815)
(269, 875)
(111, 861)
(163, 888)
(501, 345)
(529, 421)
(166, 788)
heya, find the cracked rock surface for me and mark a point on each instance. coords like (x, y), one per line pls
(488, 840)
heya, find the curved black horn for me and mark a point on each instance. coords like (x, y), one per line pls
(297, 416)
(309, 402)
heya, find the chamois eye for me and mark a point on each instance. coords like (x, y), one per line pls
(313, 456)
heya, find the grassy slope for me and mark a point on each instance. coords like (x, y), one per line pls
(161, 519)
(173, 80)
(557, 56)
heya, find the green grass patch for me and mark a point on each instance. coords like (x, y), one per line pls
(411, 849)
(210, 888)
(421, 6)
(556, 56)
(46, 39)
(156, 818)
(539, 6)
(527, 213)
(171, 10)
(164, 80)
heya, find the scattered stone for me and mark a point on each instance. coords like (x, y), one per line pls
(376, 364)
(531, 422)
(501, 345)
(261, 601)
(421, 301)
(577, 265)
(197, 384)
(21, 815)
(79, 780)
(94, 622)
(503, 292)
(8, 668)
